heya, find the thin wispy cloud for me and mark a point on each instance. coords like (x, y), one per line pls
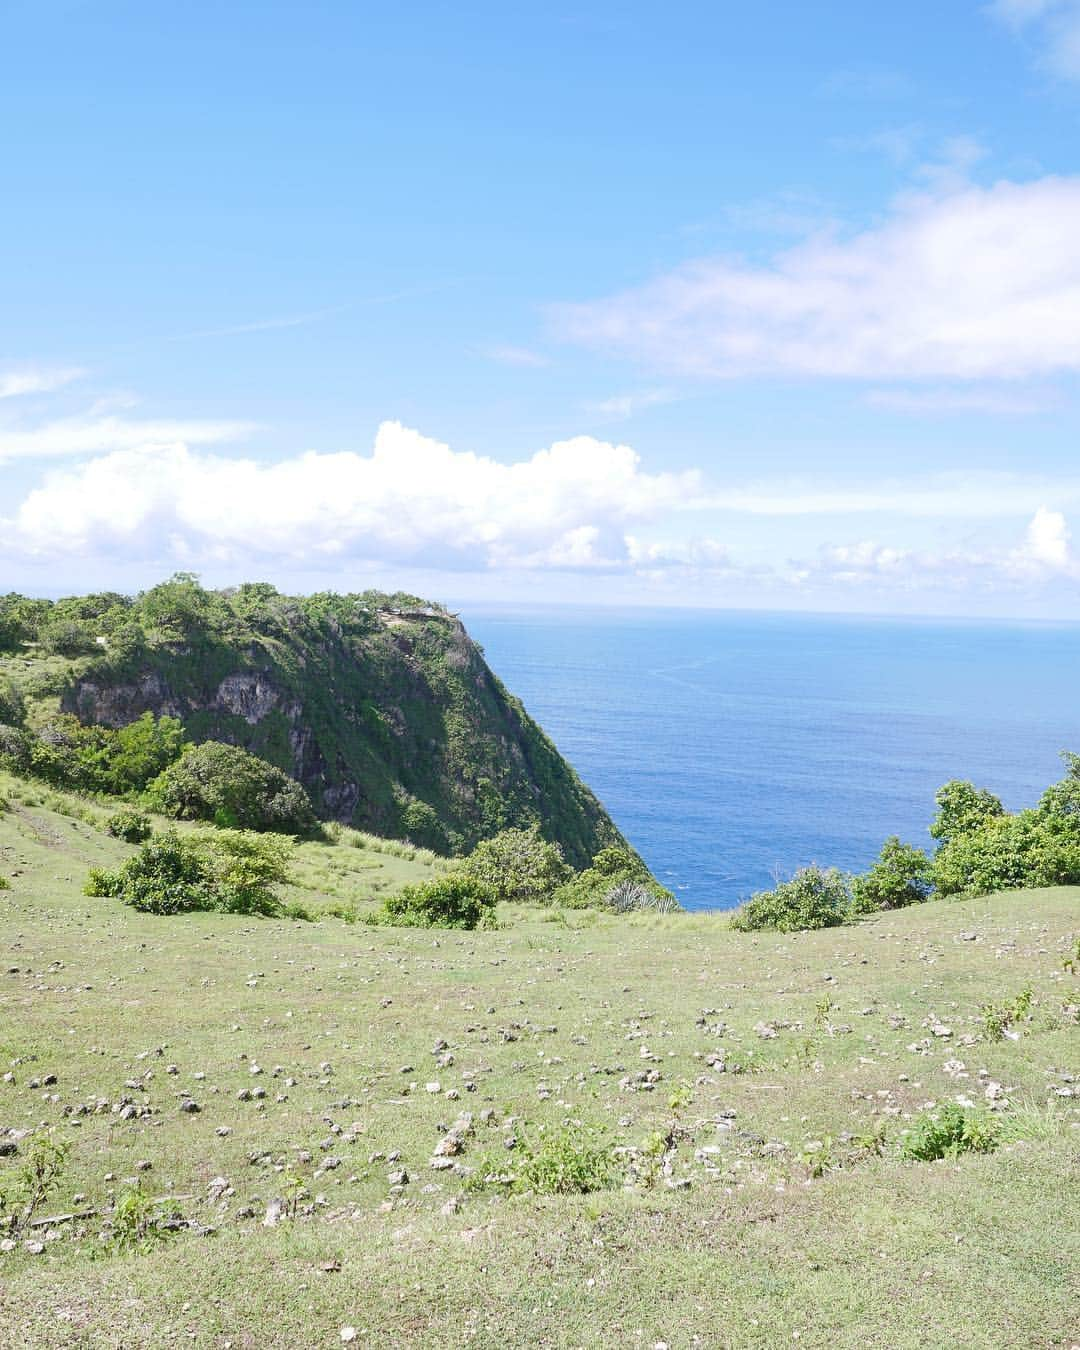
(1054, 26)
(508, 355)
(960, 401)
(85, 435)
(22, 380)
(259, 325)
(622, 406)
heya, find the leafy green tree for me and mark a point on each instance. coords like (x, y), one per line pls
(519, 865)
(962, 808)
(142, 750)
(234, 789)
(612, 868)
(1010, 853)
(902, 875)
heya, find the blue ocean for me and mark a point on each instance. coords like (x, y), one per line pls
(730, 747)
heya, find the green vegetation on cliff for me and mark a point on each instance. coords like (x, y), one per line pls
(380, 705)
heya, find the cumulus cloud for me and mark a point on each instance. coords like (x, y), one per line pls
(968, 283)
(1043, 555)
(36, 379)
(412, 500)
(91, 434)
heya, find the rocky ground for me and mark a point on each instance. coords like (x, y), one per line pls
(315, 1125)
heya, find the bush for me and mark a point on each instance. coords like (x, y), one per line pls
(612, 868)
(962, 809)
(813, 898)
(1009, 853)
(129, 825)
(231, 871)
(168, 875)
(456, 900)
(11, 703)
(628, 897)
(15, 750)
(947, 1132)
(902, 876)
(234, 789)
(518, 865)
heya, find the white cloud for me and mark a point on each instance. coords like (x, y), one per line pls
(412, 500)
(1056, 25)
(92, 434)
(626, 405)
(966, 283)
(1043, 556)
(932, 402)
(508, 355)
(36, 379)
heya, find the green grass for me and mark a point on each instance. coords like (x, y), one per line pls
(798, 1217)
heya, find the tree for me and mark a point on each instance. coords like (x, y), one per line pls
(518, 865)
(232, 788)
(902, 875)
(962, 808)
(813, 898)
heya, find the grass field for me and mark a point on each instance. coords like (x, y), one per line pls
(315, 1052)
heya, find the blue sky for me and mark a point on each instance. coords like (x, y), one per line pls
(772, 305)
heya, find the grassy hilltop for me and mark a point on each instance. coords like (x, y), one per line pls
(380, 705)
(743, 1104)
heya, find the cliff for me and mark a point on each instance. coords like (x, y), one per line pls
(382, 706)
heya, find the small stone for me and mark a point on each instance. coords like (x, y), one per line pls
(190, 1107)
(347, 1334)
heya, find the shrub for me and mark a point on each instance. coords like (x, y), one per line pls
(456, 900)
(962, 808)
(168, 875)
(627, 897)
(67, 637)
(231, 871)
(813, 898)
(129, 825)
(611, 868)
(15, 750)
(947, 1132)
(11, 703)
(5, 884)
(1007, 853)
(232, 788)
(518, 865)
(999, 1017)
(901, 876)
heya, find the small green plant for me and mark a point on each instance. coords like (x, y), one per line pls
(139, 1223)
(34, 1181)
(999, 1017)
(132, 826)
(5, 884)
(574, 1160)
(948, 1131)
(1071, 964)
(817, 1156)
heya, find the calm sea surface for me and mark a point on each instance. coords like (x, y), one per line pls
(728, 747)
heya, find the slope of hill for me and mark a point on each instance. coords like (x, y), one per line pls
(382, 706)
(325, 1188)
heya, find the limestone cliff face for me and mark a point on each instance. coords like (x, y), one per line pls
(396, 726)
